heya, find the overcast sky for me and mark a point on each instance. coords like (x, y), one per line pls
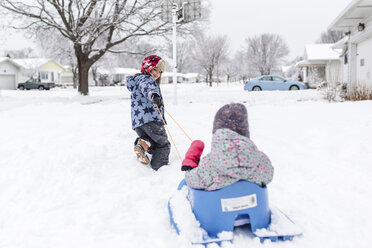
(299, 22)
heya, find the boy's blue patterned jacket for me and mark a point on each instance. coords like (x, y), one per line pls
(142, 87)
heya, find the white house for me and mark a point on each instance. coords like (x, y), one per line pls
(47, 70)
(356, 21)
(119, 74)
(9, 73)
(192, 77)
(167, 77)
(321, 63)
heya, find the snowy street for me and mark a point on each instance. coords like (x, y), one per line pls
(69, 177)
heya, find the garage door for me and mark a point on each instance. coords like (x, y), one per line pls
(7, 82)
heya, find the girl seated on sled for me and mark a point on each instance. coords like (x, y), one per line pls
(233, 155)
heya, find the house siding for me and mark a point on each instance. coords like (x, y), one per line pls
(364, 72)
(8, 69)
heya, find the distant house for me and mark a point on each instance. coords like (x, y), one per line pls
(167, 77)
(9, 73)
(356, 21)
(119, 74)
(321, 63)
(67, 77)
(47, 70)
(192, 77)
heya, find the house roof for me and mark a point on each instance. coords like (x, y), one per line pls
(303, 63)
(321, 52)
(4, 59)
(356, 12)
(170, 74)
(192, 75)
(121, 70)
(34, 63)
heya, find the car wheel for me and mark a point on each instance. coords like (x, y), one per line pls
(21, 87)
(294, 87)
(256, 88)
(41, 87)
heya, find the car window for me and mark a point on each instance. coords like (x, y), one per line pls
(278, 79)
(267, 78)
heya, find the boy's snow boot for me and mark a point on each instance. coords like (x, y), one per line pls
(140, 149)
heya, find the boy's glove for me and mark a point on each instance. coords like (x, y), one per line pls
(156, 99)
(192, 156)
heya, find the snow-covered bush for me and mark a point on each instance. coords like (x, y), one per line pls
(333, 92)
(359, 91)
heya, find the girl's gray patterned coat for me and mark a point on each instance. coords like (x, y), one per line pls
(233, 157)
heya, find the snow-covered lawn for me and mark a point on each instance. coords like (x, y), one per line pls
(69, 177)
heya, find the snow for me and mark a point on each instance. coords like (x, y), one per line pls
(31, 63)
(69, 176)
(121, 70)
(321, 52)
(280, 225)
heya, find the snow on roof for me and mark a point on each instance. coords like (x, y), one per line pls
(321, 52)
(32, 63)
(341, 43)
(121, 70)
(192, 75)
(3, 59)
(303, 63)
(285, 68)
(170, 74)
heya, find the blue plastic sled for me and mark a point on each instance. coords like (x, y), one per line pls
(240, 203)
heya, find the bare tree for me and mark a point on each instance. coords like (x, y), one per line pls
(330, 36)
(183, 52)
(62, 51)
(93, 27)
(265, 51)
(241, 66)
(142, 47)
(27, 52)
(209, 52)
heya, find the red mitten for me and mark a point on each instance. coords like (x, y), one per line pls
(192, 156)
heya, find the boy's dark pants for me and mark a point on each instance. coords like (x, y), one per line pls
(154, 132)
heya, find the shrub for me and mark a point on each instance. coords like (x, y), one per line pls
(359, 91)
(333, 92)
(336, 92)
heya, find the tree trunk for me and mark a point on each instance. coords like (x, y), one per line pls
(83, 79)
(84, 65)
(75, 75)
(210, 79)
(94, 73)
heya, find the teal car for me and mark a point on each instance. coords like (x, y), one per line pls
(270, 82)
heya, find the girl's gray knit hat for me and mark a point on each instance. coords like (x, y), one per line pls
(233, 116)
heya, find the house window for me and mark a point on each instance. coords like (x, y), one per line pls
(43, 75)
(52, 75)
(361, 62)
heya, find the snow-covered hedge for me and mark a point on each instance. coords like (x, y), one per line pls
(335, 92)
(359, 91)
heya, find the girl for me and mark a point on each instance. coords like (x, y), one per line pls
(146, 99)
(233, 156)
